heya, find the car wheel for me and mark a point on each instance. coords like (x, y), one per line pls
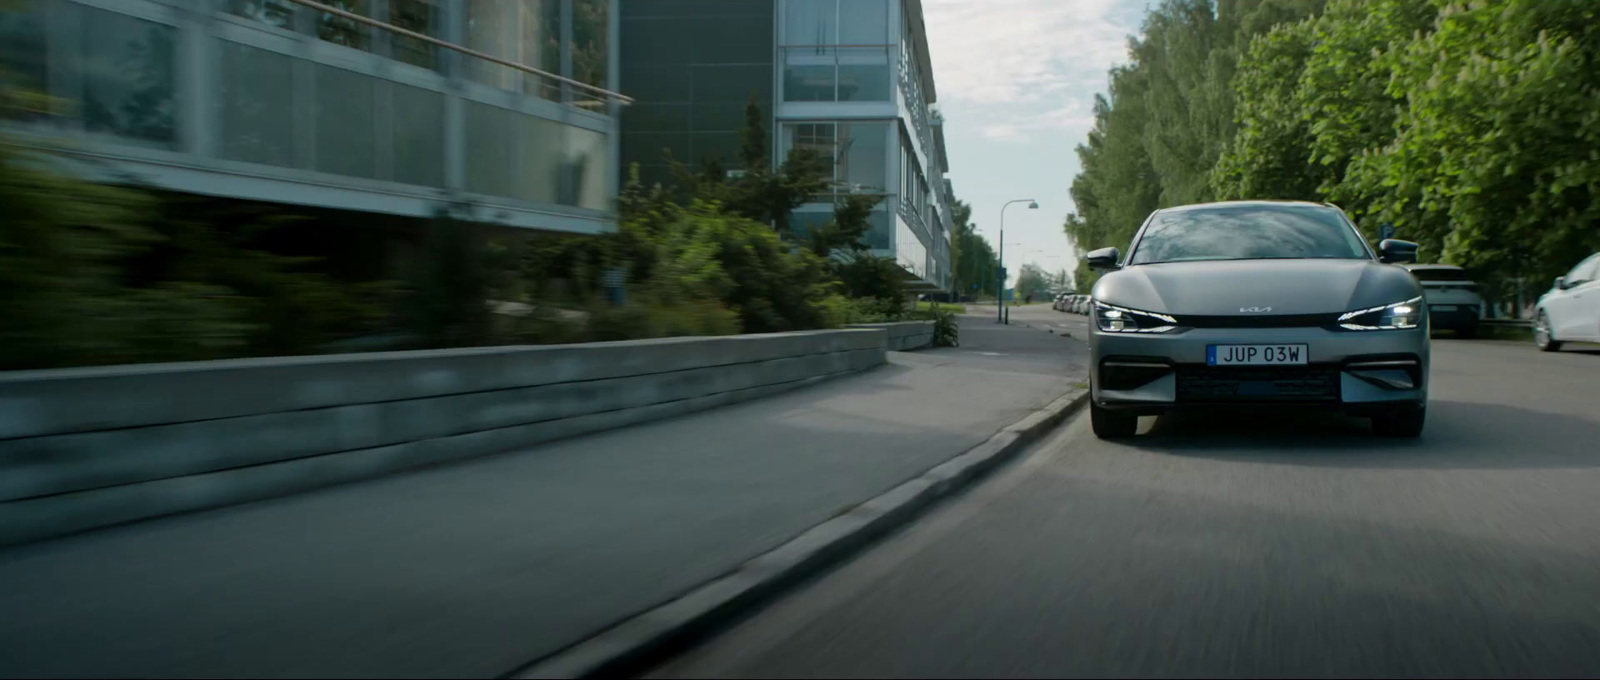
(1109, 424)
(1541, 334)
(1405, 424)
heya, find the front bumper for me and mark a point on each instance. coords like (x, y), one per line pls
(1358, 371)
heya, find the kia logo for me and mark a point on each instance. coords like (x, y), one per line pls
(1255, 310)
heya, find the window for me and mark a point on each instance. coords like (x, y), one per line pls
(22, 52)
(418, 16)
(344, 111)
(257, 105)
(857, 151)
(341, 30)
(279, 13)
(863, 165)
(523, 31)
(541, 159)
(127, 67)
(811, 22)
(836, 50)
(1247, 233)
(490, 166)
(590, 26)
(863, 22)
(418, 135)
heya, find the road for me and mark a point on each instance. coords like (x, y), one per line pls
(1297, 546)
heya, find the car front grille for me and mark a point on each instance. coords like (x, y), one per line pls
(1258, 321)
(1254, 383)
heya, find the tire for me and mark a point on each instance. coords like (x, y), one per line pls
(1542, 336)
(1109, 424)
(1402, 425)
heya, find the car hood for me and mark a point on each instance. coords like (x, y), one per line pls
(1232, 287)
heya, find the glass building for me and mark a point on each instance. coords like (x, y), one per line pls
(285, 101)
(848, 78)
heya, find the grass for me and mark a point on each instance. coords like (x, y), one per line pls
(945, 306)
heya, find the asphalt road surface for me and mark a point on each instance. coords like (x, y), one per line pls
(1260, 546)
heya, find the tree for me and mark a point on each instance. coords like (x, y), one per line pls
(1032, 281)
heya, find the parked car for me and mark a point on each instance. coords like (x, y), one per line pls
(1062, 301)
(1082, 305)
(1570, 311)
(1452, 297)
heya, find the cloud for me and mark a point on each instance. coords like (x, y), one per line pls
(1009, 52)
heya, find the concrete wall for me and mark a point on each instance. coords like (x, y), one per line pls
(88, 447)
(904, 335)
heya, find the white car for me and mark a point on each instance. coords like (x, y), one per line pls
(1452, 297)
(1570, 311)
(1082, 305)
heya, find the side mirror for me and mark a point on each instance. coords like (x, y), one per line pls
(1396, 251)
(1561, 283)
(1104, 259)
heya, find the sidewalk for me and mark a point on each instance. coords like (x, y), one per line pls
(476, 568)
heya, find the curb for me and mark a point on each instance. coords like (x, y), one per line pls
(643, 639)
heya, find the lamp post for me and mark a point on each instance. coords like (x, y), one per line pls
(1000, 286)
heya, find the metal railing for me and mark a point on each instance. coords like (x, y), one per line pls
(601, 92)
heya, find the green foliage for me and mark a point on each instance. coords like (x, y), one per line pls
(946, 329)
(1032, 280)
(851, 222)
(875, 278)
(1470, 126)
(974, 260)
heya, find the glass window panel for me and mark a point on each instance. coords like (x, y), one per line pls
(708, 117)
(523, 31)
(863, 22)
(541, 153)
(808, 83)
(489, 157)
(540, 46)
(810, 22)
(341, 30)
(257, 105)
(590, 26)
(128, 77)
(420, 16)
(343, 112)
(803, 222)
(877, 237)
(864, 83)
(22, 55)
(864, 161)
(418, 135)
(278, 13)
(588, 167)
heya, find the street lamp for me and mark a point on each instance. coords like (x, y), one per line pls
(1000, 286)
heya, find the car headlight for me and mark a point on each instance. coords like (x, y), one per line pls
(1114, 319)
(1391, 317)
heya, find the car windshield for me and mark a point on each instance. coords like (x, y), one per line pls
(1440, 275)
(1248, 232)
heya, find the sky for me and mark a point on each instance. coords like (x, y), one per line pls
(1016, 81)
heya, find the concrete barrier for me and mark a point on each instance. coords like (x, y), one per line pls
(904, 335)
(89, 447)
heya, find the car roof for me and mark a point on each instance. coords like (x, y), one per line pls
(1227, 204)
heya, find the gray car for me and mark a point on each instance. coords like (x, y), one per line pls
(1256, 304)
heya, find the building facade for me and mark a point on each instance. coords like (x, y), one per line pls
(283, 101)
(848, 78)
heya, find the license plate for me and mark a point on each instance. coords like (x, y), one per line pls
(1255, 355)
